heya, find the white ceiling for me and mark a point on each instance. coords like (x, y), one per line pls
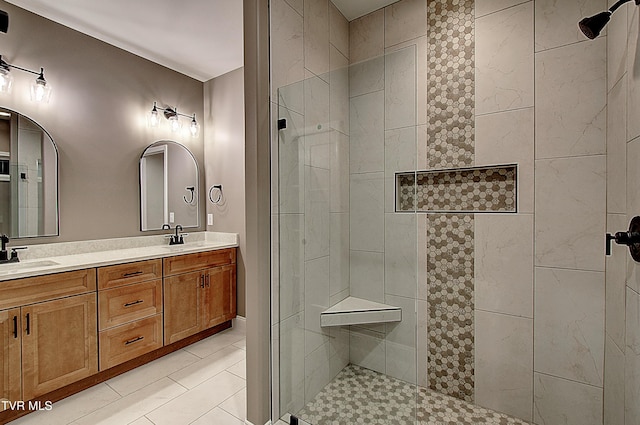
(199, 38)
(352, 9)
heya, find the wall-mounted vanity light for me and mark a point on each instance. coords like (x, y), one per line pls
(593, 25)
(173, 116)
(40, 89)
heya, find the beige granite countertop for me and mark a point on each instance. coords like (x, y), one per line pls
(67, 256)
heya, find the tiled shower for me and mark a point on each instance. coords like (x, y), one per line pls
(461, 160)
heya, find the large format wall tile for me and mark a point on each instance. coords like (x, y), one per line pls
(400, 255)
(339, 169)
(401, 340)
(367, 212)
(616, 267)
(367, 349)
(317, 371)
(339, 91)
(316, 36)
(504, 60)
(291, 162)
(569, 324)
(317, 213)
(292, 363)
(287, 54)
(291, 264)
(617, 46)
(367, 275)
(504, 363)
(570, 212)
(633, 73)
(366, 37)
(617, 148)
(338, 30)
(405, 20)
(613, 384)
(399, 155)
(400, 88)
(339, 253)
(366, 76)
(558, 401)
(504, 264)
(484, 7)
(507, 138)
(366, 152)
(316, 300)
(557, 21)
(571, 100)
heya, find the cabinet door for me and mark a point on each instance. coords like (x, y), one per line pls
(219, 304)
(59, 343)
(182, 296)
(10, 367)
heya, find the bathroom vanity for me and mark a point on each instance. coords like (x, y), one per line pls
(72, 321)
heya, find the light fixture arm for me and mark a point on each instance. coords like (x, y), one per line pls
(6, 65)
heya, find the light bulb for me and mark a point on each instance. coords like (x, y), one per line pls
(174, 123)
(194, 126)
(40, 90)
(154, 120)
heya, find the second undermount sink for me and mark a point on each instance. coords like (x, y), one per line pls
(26, 265)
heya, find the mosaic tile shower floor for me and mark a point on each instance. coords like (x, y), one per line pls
(362, 396)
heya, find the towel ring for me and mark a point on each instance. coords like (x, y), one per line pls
(218, 198)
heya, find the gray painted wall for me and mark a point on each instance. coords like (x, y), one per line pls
(97, 117)
(224, 160)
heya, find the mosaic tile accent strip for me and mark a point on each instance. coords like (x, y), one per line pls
(450, 83)
(359, 395)
(469, 190)
(450, 257)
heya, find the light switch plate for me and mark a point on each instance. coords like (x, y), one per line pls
(209, 219)
(172, 217)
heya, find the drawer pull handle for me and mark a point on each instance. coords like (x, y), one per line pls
(15, 326)
(131, 341)
(28, 325)
(131, 274)
(134, 303)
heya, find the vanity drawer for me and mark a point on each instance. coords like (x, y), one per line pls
(198, 261)
(30, 290)
(127, 303)
(125, 342)
(126, 274)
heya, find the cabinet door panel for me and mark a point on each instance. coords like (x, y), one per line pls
(182, 295)
(10, 367)
(59, 343)
(219, 304)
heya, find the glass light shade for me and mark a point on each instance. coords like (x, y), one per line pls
(174, 123)
(194, 128)
(6, 80)
(40, 91)
(154, 119)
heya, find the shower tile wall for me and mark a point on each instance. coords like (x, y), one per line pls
(540, 102)
(622, 343)
(310, 89)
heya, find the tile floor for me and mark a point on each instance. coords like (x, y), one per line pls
(202, 384)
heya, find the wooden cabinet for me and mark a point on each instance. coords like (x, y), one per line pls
(10, 337)
(129, 310)
(202, 297)
(59, 343)
(46, 345)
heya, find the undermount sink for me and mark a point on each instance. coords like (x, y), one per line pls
(8, 267)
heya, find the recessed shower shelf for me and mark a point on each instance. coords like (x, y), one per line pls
(357, 311)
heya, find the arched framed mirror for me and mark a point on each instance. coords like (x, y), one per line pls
(28, 178)
(169, 188)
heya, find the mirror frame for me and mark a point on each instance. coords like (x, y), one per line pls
(57, 180)
(197, 182)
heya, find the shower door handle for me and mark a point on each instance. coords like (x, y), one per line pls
(631, 238)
